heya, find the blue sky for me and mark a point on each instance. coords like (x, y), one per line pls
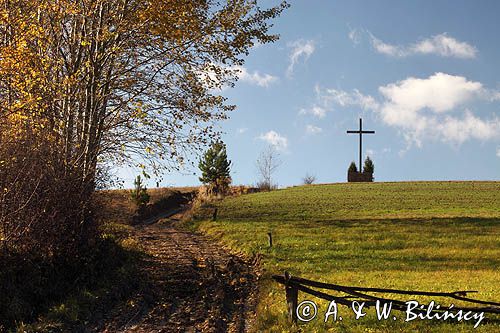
(424, 75)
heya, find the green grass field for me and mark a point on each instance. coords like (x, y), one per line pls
(434, 236)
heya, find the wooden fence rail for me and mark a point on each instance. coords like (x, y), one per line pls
(359, 294)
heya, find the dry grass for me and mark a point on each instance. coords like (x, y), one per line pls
(117, 207)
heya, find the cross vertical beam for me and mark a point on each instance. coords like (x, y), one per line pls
(360, 132)
(360, 143)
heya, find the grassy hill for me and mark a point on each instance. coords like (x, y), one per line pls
(436, 236)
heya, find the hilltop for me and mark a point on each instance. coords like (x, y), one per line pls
(437, 236)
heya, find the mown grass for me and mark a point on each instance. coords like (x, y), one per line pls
(436, 236)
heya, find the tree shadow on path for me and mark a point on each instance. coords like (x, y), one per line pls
(190, 284)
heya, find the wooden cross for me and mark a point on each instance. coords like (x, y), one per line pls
(360, 132)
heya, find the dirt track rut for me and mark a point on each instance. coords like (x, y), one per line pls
(193, 285)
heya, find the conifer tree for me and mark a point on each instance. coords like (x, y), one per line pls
(139, 194)
(368, 167)
(352, 167)
(215, 168)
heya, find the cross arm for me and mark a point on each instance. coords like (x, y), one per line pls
(363, 132)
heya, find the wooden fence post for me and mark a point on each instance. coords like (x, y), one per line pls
(270, 236)
(291, 298)
(293, 285)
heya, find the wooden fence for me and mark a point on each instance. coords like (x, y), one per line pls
(365, 295)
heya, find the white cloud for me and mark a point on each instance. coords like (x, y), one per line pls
(242, 130)
(355, 36)
(498, 152)
(445, 46)
(442, 45)
(326, 98)
(432, 108)
(262, 80)
(315, 110)
(440, 93)
(301, 49)
(212, 74)
(354, 98)
(388, 49)
(370, 152)
(492, 95)
(311, 129)
(459, 130)
(419, 108)
(275, 139)
(257, 44)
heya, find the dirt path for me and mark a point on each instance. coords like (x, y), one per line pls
(193, 285)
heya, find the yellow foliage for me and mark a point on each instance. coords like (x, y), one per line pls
(96, 76)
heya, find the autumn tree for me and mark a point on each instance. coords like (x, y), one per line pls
(125, 79)
(92, 83)
(118, 81)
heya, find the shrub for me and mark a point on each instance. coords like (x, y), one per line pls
(308, 179)
(265, 186)
(352, 167)
(368, 167)
(35, 217)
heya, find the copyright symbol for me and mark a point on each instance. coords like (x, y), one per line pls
(306, 311)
